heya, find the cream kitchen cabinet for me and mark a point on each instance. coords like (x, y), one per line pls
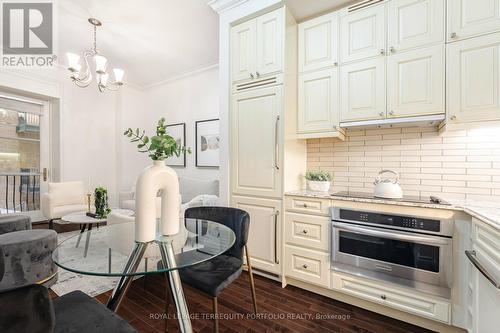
(416, 82)
(468, 18)
(473, 76)
(415, 23)
(363, 90)
(265, 230)
(399, 298)
(318, 43)
(363, 33)
(256, 138)
(484, 261)
(257, 46)
(318, 109)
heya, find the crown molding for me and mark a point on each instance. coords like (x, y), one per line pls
(220, 6)
(181, 76)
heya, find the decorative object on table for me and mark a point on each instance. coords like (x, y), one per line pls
(89, 199)
(101, 202)
(207, 143)
(178, 132)
(153, 179)
(318, 180)
(386, 187)
(84, 78)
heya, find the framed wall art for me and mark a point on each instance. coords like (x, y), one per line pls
(207, 143)
(178, 132)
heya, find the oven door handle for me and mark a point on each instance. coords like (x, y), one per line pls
(392, 234)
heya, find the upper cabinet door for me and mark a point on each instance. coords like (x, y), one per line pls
(415, 23)
(363, 34)
(318, 101)
(270, 42)
(468, 18)
(318, 43)
(473, 75)
(363, 90)
(243, 54)
(415, 82)
(256, 143)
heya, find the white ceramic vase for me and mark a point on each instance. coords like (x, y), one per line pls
(157, 177)
(318, 186)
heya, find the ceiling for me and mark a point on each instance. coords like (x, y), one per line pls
(151, 40)
(303, 9)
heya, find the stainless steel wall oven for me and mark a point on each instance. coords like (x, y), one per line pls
(411, 251)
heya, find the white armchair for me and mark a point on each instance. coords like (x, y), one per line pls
(61, 199)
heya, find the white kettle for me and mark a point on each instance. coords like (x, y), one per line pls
(386, 187)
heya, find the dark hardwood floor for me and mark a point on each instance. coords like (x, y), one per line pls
(281, 310)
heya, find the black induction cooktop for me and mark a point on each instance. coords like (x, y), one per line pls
(414, 199)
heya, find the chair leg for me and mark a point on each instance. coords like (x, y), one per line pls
(216, 313)
(252, 285)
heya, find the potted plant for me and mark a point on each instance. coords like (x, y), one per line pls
(101, 202)
(318, 180)
(156, 178)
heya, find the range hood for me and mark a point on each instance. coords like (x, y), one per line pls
(420, 121)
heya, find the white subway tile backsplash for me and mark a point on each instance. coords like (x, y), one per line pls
(464, 164)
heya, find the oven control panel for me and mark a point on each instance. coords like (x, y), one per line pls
(400, 221)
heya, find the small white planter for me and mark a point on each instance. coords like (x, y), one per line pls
(318, 186)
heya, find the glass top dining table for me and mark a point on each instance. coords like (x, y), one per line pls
(109, 248)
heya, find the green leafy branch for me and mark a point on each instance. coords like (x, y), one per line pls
(158, 147)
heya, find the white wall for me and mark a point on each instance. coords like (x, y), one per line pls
(87, 124)
(185, 99)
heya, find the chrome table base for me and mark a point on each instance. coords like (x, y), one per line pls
(168, 259)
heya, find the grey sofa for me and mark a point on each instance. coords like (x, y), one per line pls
(25, 254)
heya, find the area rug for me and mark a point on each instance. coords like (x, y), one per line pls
(68, 281)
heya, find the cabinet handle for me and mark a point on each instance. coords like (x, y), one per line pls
(391, 113)
(381, 114)
(453, 117)
(304, 266)
(276, 143)
(392, 49)
(251, 75)
(304, 231)
(471, 255)
(453, 35)
(382, 51)
(335, 64)
(257, 73)
(276, 261)
(383, 297)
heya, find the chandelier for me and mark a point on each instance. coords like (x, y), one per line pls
(84, 78)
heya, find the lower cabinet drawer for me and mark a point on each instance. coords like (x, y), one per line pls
(408, 301)
(308, 230)
(307, 265)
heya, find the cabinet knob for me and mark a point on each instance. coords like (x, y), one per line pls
(392, 49)
(383, 297)
(381, 114)
(251, 75)
(391, 113)
(304, 266)
(453, 117)
(304, 205)
(257, 73)
(382, 51)
(453, 35)
(304, 231)
(335, 64)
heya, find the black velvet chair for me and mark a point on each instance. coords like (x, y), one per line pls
(30, 309)
(211, 277)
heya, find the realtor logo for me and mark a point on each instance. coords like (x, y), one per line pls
(27, 29)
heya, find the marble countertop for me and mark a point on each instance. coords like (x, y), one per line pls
(488, 212)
